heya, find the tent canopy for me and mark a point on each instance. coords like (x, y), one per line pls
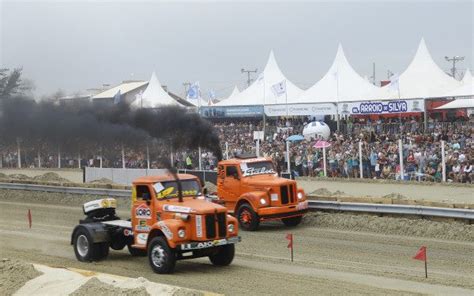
(422, 79)
(465, 90)
(263, 90)
(154, 96)
(458, 104)
(341, 83)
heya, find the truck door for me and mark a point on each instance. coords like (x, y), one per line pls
(231, 185)
(142, 213)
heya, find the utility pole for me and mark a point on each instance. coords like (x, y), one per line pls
(186, 85)
(373, 74)
(454, 60)
(249, 80)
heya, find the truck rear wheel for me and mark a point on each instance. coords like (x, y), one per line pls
(161, 257)
(247, 217)
(86, 250)
(293, 221)
(223, 256)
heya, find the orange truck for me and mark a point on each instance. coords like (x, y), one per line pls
(251, 189)
(171, 219)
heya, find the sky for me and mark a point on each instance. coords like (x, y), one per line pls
(77, 45)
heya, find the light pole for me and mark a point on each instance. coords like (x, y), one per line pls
(454, 60)
(186, 85)
(249, 80)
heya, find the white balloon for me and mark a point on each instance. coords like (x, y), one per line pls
(316, 130)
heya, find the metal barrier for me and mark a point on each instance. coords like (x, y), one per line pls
(467, 214)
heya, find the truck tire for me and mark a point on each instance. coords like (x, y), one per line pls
(136, 252)
(86, 250)
(223, 256)
(161, 257)
(293, 221)
(247, 217)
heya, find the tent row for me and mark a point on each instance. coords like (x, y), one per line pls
(342, 84)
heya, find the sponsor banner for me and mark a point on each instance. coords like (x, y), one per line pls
(236, 111)
(381, 107)
(178, 209)
(143, 212)
(300, 109)
(142, 226)
(165, 229)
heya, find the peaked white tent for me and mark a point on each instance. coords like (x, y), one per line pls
(467, 78)
(154, 96)
(341, 83)
(458, 104)
(466, 90)
(271, 87)
(422, 79)
(234, 93)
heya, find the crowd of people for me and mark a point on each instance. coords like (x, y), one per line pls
(362, 146)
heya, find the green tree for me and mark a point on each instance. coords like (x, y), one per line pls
(10, 82)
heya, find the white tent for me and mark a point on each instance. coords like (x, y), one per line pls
(458, 104)
(341, 83)
(154, 96)
(271, 87)
(234, 93)
(467, 78)
(422, 79)
(466, 90)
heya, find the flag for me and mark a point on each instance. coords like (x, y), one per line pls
(193, 92)
(279, 88)
(117, 97)
(29, 218)
(421, 254)
(289, 237)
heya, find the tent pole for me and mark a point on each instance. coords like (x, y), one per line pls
(288, 156)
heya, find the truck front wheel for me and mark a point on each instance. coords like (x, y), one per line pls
(293, 221)
(223, 256)
(247, 217)
(86, 250)
(161, 257)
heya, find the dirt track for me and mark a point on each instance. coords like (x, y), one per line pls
(327, 261)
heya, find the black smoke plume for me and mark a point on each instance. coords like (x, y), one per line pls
(86, 125)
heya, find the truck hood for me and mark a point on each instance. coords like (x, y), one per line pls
(265, 181)
(192, 206)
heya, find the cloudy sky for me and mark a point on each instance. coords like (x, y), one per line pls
(73, 46)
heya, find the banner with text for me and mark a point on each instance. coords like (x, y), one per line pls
(381, 107)
(237, 111)
(300, 109)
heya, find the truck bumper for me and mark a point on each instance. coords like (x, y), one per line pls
(209, 244)
(271, 213)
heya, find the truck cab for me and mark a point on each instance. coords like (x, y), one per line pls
(251, 189)
(170, 220)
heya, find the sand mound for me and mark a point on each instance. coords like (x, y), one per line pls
(96, 287)
(14, 274)
(392, 226)
(50, 177)
(187, 292)
(102, 181)
(395, 196)
(326, 192)
(19, 177)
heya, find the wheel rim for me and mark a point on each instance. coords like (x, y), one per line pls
(158, 256)
(82, 245)
(245, 217)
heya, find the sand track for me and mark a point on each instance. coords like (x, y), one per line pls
(327, 260)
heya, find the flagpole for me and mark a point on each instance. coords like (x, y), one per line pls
(286, 99)
(426, 267)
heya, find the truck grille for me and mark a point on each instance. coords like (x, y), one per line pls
(287, 193)
(213, 220)
(284, 194)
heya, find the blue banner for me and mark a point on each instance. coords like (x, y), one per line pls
(381, 107)
(234, 111)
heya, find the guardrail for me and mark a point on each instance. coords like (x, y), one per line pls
(313, 204)
(392, 209)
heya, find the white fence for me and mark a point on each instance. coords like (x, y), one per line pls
(119, 176)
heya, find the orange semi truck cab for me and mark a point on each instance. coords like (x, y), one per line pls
(251, 189)
(164, 225)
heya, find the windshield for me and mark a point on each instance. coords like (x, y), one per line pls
(256, 168)
(170, 189)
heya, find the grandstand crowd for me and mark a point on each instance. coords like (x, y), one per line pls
(421, 150)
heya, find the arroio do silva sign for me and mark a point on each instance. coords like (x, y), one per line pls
(381, 107)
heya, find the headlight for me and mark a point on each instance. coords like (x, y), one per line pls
(274, 196)
(181, 233)
(300, 195)
(263, 201)
(230, 227)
